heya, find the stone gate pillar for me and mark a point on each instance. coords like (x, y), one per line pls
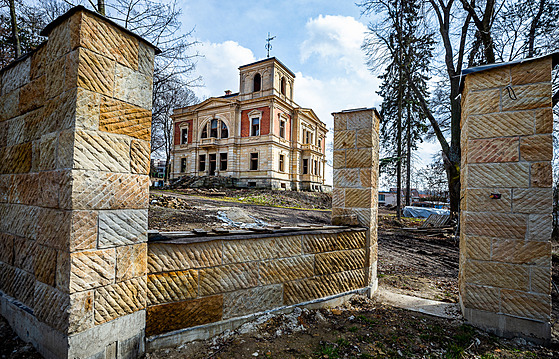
(355, 191)
(505, 251)
(75, 124)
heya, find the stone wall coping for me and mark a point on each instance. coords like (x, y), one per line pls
(189, 237)
(46, 31)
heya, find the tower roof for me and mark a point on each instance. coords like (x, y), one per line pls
(269, 59)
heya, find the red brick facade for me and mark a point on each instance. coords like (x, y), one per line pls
(177, 134)
(264, 121)
(277, 119)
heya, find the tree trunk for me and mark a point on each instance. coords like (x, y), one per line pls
(533, 27)
(13, 18)
(101, 7)
(408, 157)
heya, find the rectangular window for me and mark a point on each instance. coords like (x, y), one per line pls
(282, 129)
(305, 166)
(307, 137)
(255, 127)
(254, 161)
(319, 143)
(183, 165)
(381, 198)
(213, 128)
(184, 136)
(281, 165)
(202, 166)
(315, 167)
(223, 161)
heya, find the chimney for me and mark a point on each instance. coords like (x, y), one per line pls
(227, 92)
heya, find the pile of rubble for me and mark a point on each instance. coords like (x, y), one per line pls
(168, 202)
(202, 182)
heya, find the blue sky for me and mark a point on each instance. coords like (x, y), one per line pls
(318, 40)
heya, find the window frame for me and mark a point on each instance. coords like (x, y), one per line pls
(201, 162)
(282, 128)
(305, 166)
(212, 129)
(223, 159)
(183, 131)
(254, 159)
(183, 165)
(252, 132)
(254, 83)
(282, 163)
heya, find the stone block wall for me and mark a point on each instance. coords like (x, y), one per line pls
(75, 118)
(355, 190)
(505, 250)
(192, 283)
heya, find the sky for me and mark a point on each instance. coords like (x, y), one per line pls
(319, 40)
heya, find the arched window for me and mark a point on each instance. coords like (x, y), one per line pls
(257, 82)
(213, 128)
(204, 131)
(282, 85)
(224, 130)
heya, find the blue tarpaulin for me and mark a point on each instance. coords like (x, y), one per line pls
(422, 212)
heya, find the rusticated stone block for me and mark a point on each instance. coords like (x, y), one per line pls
(100, 151)
(9, 105)
(544, 120)
(19, 220)
(83, 234)
(15, 131)
(48, 299)
(540, 174)
(25, 189)
(87, 109)
(173, 257)
(495, 225)
(95, 73)
(119, 299)
(168, 317)
(356, 197)
(63, 38)
(323, 286)
(287, 246)
(32, 95)
(228, 278)
(532, 200)
(38, 62)
(489, 79)
(44, 264)
(286, 269)
(139, 157)
(48, 146)
(133, 87)
(333, 242)
(528, 97)
(7, 273)
(7, 248)
(146, 57)
(326, 263)
(498, 175)
(54, 228)
(108, 41)
(247, 250)
(339, 159)
(338, 197)
(131, 261)
(346, 177)
(252, 300)
(539, 227)
(362, 157)
(49, 184)
(478, 200)
(172, 286)
(536, 148)
(92, 269)
(16, 159)
(482, 298)
(368, 178)
(63, 263)
(365, 137)
(503, 149)
(58, 114)
(521, 252)
(344, 139)
(540, 279)
(24, 254)
(125, 119)
(526, 305)
(476, 247)
(531, 72)
(101, 190)
(495, 274)
(54, 77)
(518, 123)
(122, 227)
(16, 76)
(23, 287)
(483, 102)
(4, 133)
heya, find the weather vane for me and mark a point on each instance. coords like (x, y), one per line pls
(268, 45)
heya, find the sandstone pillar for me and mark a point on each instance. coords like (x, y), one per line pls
(355, 191)
(75, 145)
(505, 250)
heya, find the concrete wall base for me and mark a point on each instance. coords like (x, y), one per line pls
(207, 331)
(120, 338)
(508, 326)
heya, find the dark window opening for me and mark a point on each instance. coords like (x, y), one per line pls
(315, 167)
(281, 163)
(254, 161)
(184, 136)
(319, 143)
(305, 166)
(202, 163)
(282, 85)
(282, 129)
(252, 184)
(223, 161)
(213, 128)
(255, 127)
(205, 131)
(257, 83)
(283, 186)
(213, 164)
(183, 165)
(224, 130)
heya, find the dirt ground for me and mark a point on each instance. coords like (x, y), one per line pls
(414, 263)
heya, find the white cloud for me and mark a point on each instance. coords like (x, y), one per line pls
(219, 67)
